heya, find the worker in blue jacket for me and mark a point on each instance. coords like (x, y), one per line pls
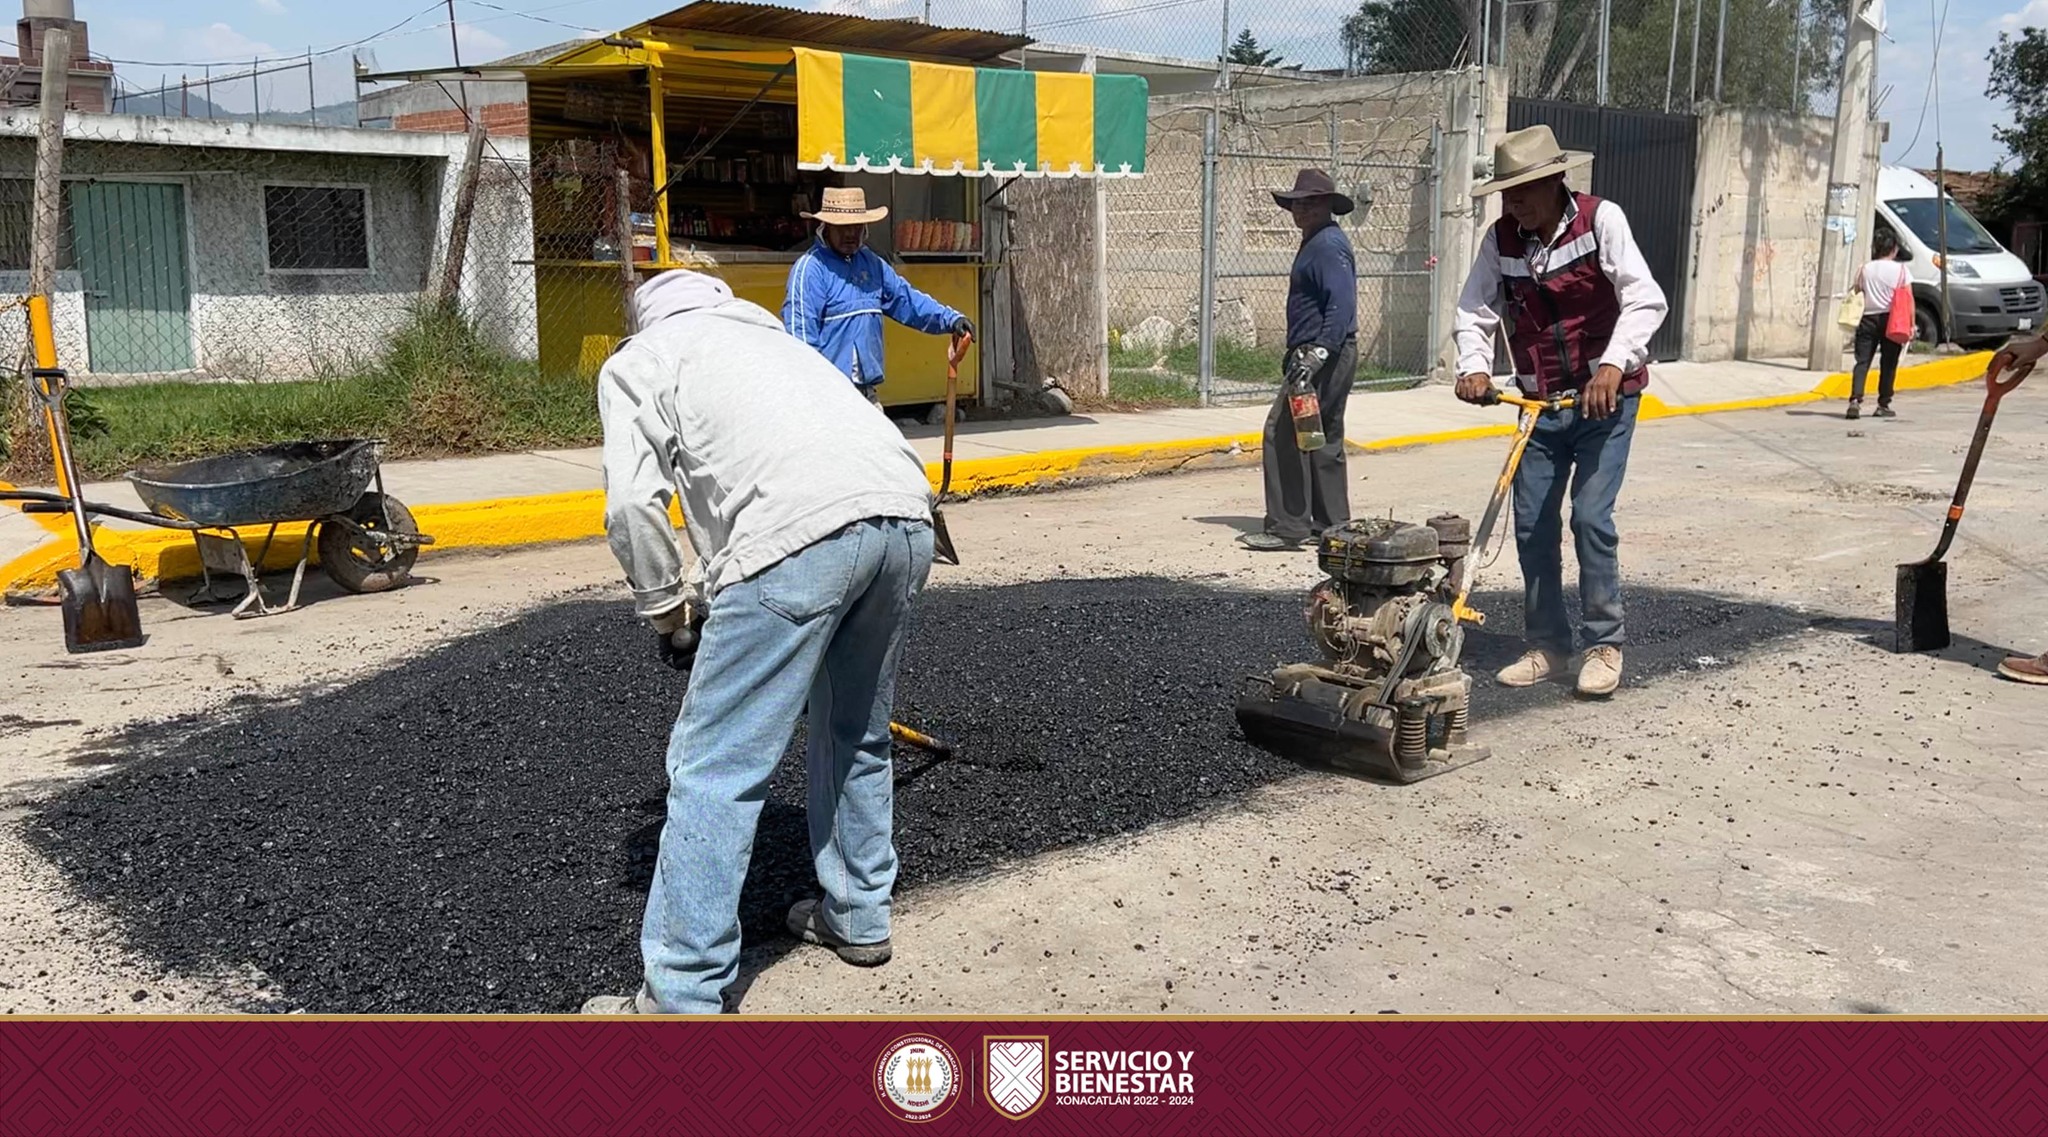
(840, 289)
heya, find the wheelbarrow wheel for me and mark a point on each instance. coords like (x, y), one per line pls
(362, 564)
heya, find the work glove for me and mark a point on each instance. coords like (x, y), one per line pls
(1305, 361)
(680, 628)
(963, 327)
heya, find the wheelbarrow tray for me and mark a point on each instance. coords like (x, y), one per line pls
(288, 481)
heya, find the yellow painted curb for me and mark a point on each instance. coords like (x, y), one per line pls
(167, 554)
(1918, 377)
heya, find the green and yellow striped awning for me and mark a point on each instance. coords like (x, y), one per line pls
(856, 112)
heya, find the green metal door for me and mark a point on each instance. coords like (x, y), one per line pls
(130, 243)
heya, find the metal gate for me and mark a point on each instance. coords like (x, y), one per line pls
(1644, 162)
(1248, 253)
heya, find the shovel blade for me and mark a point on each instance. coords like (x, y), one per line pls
(100, 613)
(942, 541)
(1920, 613)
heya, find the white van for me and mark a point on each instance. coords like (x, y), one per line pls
(1991, 293)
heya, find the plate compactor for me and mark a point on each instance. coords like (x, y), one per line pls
(1388, 698)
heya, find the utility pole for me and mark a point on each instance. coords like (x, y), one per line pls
(1845, 175)
(1720, 48)
(1941, 235)
(1606, 11)
(462, 88)
(1223, 60)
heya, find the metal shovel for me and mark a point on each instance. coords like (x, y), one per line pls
(1920, 611)
(942, 541)
(98, 599)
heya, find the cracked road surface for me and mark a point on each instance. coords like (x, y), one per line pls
(1776, 815)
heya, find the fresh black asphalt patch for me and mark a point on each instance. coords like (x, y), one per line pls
(473, 830)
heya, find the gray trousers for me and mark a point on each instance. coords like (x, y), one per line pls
(1307, 493)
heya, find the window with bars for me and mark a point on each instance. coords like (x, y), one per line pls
(17, 225)
(317, 228)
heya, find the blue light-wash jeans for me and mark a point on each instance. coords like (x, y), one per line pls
(825, 625)
(1587, 458)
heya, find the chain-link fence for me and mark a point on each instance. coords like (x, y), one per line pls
(197, 251)
(1203, 225)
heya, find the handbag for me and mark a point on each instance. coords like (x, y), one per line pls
(1898, 326)
(1849, 312)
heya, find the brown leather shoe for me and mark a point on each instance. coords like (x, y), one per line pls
(2026, 670)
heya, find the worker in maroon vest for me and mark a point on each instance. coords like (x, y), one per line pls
(1580, 307)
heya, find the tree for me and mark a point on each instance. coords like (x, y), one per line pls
(2019, 76)
(1245, 51)
(1780, 53)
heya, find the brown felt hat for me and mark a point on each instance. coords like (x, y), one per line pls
(1314, 183)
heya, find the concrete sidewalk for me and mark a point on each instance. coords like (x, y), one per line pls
(536, 497)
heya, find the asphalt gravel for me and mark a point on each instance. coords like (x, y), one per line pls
(474, 830)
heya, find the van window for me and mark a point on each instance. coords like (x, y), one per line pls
(1965, 236)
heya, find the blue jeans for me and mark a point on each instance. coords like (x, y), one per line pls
(824, 625)
(1588, 457)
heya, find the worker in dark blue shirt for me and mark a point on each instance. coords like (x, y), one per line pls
(1306, 491)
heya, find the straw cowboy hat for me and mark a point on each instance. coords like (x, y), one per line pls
(847, 207)
(1526, 156)
(1314, 183)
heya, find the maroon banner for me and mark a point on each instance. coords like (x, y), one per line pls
(1080, 1076)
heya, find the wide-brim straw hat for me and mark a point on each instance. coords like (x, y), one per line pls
(1314, 183)
(1528, 155)
(847, 206)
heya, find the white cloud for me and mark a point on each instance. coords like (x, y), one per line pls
(2034, 15)
(478, 44)
(220, 41)
(274, 7)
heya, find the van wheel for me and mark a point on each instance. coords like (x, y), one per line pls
(1926, 329)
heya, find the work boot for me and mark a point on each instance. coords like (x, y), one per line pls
(2026, 670)
(639, 1003)
(1270, 542)
(1884, 410)
(1600, 672)
(1855, 411)
(807, 923)
(1535, 666)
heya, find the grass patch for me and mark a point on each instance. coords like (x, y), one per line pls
(438, 388)
(1136, 390)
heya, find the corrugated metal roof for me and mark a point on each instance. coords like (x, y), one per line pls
(823, 29)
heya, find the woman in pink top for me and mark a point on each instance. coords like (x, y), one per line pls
(1878, 280)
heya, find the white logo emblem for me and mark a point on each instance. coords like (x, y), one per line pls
(917, 1077)
(1018, 1067)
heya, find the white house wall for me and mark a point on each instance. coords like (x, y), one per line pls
(252, 323)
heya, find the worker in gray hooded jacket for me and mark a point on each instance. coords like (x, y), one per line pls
(810, 521)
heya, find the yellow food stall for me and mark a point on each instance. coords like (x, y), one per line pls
(707, 131)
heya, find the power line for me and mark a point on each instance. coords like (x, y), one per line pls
(1933, 94)
(323, 52)
(1118, 13)
(529, 15)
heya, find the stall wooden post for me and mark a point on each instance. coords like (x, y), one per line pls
(622, 219)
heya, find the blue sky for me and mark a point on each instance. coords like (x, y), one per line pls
(228, 33)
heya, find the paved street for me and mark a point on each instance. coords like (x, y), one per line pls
(444, 799)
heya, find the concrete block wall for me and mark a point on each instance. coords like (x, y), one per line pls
(1380, 130)
(1759, 201)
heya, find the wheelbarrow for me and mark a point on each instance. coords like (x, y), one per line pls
(366, 538)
